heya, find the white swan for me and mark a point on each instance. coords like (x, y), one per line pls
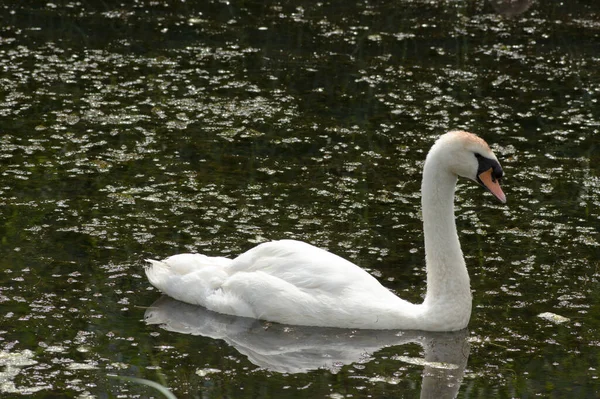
(293, 282)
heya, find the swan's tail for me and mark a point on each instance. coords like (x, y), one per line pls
(189, 278)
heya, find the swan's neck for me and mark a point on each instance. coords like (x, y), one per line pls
(447, 276)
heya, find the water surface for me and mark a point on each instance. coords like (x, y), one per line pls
(133, 131)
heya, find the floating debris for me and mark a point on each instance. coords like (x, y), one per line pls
(11, 364)
(17, 359)
(207, 371)
(82, 366)
(554, 318)
(422, 362)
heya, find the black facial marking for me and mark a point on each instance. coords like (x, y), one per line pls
(485, 164)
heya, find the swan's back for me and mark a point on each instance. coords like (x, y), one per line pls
(286, 281)
(303, 265)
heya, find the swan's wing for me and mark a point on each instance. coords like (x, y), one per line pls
(188, 263)
(285, 281)
(189, 278)
(302, 265)
(292, 282)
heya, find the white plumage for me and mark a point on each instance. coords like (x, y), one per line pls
(293, 282)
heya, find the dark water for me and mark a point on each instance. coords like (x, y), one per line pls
(138, 130)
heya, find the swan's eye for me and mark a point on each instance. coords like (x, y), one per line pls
(485, 164)
(497, 175)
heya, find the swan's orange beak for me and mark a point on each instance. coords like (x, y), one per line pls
(492, 185)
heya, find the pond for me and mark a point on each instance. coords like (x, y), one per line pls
(135, 130)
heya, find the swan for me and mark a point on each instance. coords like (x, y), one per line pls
(292, 282)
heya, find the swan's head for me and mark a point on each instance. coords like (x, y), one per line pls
(467, 155)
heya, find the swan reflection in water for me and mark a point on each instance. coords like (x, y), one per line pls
(298, 349)
(511, 8)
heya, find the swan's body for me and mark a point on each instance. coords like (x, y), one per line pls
(293, 282)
